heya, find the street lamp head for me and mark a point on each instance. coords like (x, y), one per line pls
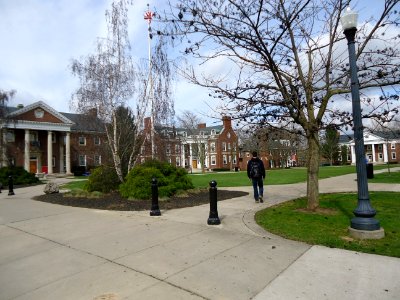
(349, 19)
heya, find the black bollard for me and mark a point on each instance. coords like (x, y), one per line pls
(10, 186)
(155, 210)
(213, 218)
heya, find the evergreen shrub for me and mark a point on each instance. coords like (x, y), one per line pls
(170, 180)
(19, 174)
(103, 179)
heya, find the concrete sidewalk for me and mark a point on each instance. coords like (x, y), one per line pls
(55, 252)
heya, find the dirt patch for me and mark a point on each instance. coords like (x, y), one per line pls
(114, 201)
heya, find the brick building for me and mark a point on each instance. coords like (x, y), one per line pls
(204, 147)
(42, 140)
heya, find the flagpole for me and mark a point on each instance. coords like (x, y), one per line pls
(148, 16)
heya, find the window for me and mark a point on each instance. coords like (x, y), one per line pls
(142, 150)
(212, 147)
(82, 141)
(96, 140)
(213, 160)
(82, 160)
(33, 136)
(379, 147)
(53, 137)
(10, 136)
(234, 159)
(178, 161)
(393, 146)
(380, 155)
(229, 146)
(393, 155)
(168, 150)
(177, 149)
(213, 131)
(224, 159)
(97, 160)
(369, 147)
(223, 146)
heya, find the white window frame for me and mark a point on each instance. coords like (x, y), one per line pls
(223, 146)
(84, 141)
(212, 147)
(178, 161)
(10, 136)
(177, 149)
(224, 159)
(97, 160)
(97, 141)
(393, 155)
(392, 145)
(213, 160)
(80, 160)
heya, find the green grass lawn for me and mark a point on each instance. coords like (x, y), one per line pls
(330, 227)
(75, 184)
(274, 176)
(392, 177)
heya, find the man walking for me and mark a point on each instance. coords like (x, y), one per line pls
(256, 173)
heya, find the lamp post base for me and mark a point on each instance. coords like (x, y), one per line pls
(367, 224)
(367, 234)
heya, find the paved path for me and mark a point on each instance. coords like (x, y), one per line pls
(55, 252)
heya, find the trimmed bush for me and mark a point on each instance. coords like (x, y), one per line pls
(170, 180)
(20, 176)
(103, 179)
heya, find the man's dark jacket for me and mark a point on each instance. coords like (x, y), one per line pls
(260, 163)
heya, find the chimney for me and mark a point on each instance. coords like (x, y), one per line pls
(201, 125)
(227, 122)
(92, 112)
(147, 123)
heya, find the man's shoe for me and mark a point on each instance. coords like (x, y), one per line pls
(261, 199)
(256, 200)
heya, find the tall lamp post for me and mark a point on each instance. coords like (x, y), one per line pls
(363, 221)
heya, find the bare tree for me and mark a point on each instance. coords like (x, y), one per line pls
(5, 96)
(107, 81)
(290, 63)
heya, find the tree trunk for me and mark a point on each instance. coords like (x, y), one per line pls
(312, 172)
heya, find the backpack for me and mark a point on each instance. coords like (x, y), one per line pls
(255, 171)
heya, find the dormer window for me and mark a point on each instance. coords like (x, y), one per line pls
(213, 131)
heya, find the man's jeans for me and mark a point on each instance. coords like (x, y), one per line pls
(258, 187)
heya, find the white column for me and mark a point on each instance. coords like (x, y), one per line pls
(385, 152)
(49, 153)
(182, 155)
(190, 156)
(61, 153)
(68, 153)
(353, 154)
(373, 153)
(26, 150)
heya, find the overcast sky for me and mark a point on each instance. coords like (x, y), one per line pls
(40, 37)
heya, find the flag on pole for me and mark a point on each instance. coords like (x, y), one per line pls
(148, 15)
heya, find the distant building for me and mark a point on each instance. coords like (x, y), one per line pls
(380, 147)
(204, 147)
(42, 140)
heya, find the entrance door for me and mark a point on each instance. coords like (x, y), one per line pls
(33, 166)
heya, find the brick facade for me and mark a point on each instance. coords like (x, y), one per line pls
(204, 147)
(43, 140)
